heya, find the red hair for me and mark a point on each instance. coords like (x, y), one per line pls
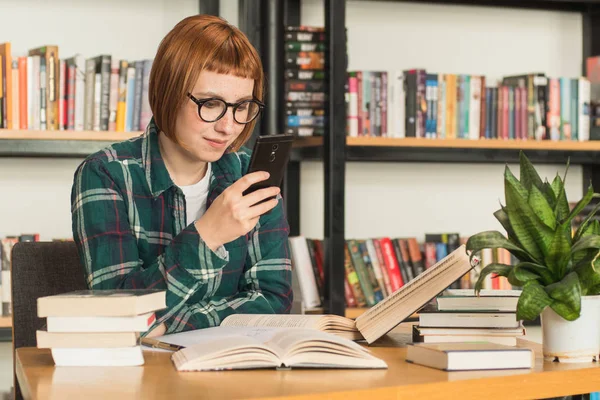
(197, 43)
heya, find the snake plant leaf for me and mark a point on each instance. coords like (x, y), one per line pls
(561, 209)
(502, 217)
(518, 277)
(539, 204)
(567, 297)
(585, 200)
(588, 272)
(585, 223)
(541, 271)
(559, 253)
(495, 240)
(499, 269)
(528, 175)
(532, 301)
(549, 194)
(532, 234)
(514, 182)
(588, 242)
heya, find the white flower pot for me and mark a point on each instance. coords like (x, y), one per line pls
(573, 341)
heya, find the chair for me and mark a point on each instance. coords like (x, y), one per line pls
(40, 269)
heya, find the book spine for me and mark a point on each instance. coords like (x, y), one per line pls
(137, 102)
(373, 282)
(391, 264)
(363, 276)
(114, 95)
(584, 109)
(352, 278)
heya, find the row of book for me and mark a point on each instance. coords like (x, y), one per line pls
(377, 267)
(6, 245)
(305, 86)
(418, 103)
(40, 91)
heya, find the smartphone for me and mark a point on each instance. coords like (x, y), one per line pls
(271, 153)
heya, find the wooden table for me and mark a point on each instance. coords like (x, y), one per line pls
(157, 379)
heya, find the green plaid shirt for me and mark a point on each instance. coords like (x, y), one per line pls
(129, 226)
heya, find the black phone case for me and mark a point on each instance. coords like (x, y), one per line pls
(271, 153)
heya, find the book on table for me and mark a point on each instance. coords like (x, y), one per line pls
(102, 303)
(244, 347)
(98, 327)
(488, 299)
(469, 356)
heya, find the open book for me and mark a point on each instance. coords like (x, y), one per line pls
(341, 326)
(236, 347)
(388, 313)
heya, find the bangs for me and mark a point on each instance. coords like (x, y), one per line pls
(233, 56)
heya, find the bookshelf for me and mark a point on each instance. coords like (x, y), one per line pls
(26, 143)
(335, 149)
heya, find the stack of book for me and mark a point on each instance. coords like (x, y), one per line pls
(98, 327)
(458, 316)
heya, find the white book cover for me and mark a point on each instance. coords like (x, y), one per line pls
(397, 110)
(475, 107)
(583, 102)
(79, 92)
(302, 262)
(138, 323)
(441, 107)
(98, 357)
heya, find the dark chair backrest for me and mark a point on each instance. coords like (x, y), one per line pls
(40, 269)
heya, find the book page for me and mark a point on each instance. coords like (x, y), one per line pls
(208, 335)
(292, 340)
(274, 320)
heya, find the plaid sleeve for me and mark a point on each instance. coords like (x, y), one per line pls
(107, 242)
(264, 288)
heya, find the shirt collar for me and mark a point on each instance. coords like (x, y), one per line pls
(157, 175)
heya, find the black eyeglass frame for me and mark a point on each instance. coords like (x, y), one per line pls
(200, 103)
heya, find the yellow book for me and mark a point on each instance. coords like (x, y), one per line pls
(121, 109)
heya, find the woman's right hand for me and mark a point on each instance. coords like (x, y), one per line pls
(232, 214)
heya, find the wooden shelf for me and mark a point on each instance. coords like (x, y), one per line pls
(26, 143)
(453, 150)
(5, 322)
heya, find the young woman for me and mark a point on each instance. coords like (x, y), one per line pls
(165, 210)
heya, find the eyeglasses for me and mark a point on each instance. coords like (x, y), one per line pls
(213, 109)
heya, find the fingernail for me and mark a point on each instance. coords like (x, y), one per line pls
(267, 175)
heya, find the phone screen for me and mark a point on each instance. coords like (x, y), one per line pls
(271, 153)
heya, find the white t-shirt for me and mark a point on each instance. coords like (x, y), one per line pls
(196, 196)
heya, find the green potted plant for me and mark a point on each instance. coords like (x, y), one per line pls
(558, 267)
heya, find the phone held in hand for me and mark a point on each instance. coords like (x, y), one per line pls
(271, 154)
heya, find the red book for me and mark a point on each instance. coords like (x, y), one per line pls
(391, 264)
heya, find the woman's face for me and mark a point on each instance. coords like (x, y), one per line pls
(207, 141)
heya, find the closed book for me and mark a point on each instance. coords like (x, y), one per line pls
(464, 299)
(48, 340)
(469, 356)
(468, 319)
(139, 323)
(98, 357)
(102, 303)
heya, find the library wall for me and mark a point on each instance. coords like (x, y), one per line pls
(382, 199)
(409, 199)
